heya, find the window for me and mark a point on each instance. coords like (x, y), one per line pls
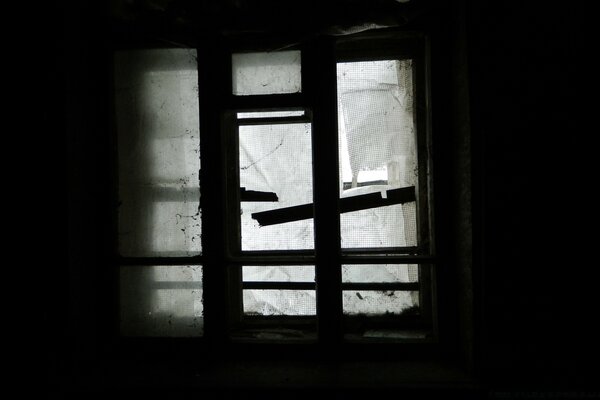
(313, 218)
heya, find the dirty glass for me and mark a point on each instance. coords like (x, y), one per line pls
(161, 301)
(377, 150)
(156, 102)
(380, 273)
(275, 161)
(279, 302)
(279, 273)
(266, 73)
(371, 302)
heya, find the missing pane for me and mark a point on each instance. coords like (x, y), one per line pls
(389, 302)
(275, 173)
(266, 73)
(377, 150)
(161, 301)
(279, 302)
(158, 153)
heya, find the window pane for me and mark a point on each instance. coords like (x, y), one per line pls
(280, 273)
(158, 152)
(377, 149)
(279, 302)
(275, 160)
(380, 273)
(365, 302)
(161, 301)
(266, 73)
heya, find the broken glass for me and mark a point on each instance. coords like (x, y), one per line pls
(371, 302)
(266, 73)
(275, 173)
(377, 150)
(161, 301)
(158, 152)
(279, 302)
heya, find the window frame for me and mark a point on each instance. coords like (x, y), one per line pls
(312, 57)
(216, 106)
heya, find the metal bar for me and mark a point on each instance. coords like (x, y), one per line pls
(279, 285)
(346, 204)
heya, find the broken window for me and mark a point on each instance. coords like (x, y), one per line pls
(275, 164)
(378, 163)
(377, 150)
(379, 270)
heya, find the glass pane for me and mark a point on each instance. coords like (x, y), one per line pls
(270, 114)
(389, 226)
(280, 273)
(366, 302)
(158, 152)
(266, 73)
(377, 149)
(380, 273)
(277, 161)
(161, 301)
(279, 302)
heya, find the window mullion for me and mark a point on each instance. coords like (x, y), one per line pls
(320, 79)
(213, 81)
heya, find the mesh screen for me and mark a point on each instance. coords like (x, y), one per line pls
(282, 273)
(276, 159)
(380, 273)
(158, 152)
(161, 301)
(389, 226)
(279, 302)
(377, 149)
(366, 302)
(266, 73)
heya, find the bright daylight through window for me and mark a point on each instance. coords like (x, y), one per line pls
(383, 196)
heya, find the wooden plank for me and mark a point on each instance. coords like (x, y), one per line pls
(253, 195)
(346, 204)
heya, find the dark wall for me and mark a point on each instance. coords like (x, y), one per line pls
(524, 107)
(525, 70)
